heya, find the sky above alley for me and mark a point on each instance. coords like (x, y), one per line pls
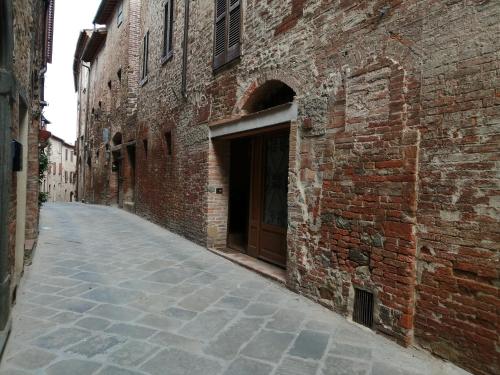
(70, 18)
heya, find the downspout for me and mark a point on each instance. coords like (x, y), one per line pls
(7, 87)
(84, 190)
(185, 49)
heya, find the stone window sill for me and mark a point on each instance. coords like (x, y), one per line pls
(166, 58)
(143, 81)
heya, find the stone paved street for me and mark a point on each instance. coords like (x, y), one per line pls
(110, 293)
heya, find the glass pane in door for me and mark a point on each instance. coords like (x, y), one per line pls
(276, 181)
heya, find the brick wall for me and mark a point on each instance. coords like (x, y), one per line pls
(458, 208)
(393, 166)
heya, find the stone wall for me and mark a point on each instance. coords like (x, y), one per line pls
(393, 179)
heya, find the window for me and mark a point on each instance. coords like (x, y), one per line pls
(60, 169)
(145, 56)
(54, 169)
(227, 31)
(168, 143)
(168, 29)
(66, 154)
(71, 155)
(119, 74)
(66, 177)
(119, 17)
(145, 144)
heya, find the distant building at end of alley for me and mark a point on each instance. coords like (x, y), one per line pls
(59, 180)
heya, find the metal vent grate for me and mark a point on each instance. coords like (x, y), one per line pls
(363, 308)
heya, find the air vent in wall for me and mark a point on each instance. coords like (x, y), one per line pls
(363, 308)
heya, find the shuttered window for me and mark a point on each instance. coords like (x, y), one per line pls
(227, 31)
(168, 28)
(145, 56)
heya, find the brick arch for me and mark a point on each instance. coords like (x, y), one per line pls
(117, 139)
(251, 87)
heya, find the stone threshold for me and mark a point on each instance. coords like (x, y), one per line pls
(262, 268)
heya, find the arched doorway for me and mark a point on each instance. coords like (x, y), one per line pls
(258, 165)
(116, 182)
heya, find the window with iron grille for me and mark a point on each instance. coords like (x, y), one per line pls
(119, 17)
(227, 31)
(363, 307)
(145, 56)
(168, 29)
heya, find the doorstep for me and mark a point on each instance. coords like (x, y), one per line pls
(265, 269)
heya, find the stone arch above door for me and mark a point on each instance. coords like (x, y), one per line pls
(269, 79)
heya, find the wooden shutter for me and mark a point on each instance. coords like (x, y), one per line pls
(147, 54)
(234, 30)
(168, 25)
(220, 33)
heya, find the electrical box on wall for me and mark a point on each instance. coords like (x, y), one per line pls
(17, 156)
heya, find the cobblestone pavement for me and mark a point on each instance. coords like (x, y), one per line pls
(110, 293)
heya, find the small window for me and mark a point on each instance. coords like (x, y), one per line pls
(109, 85)
(145, 144)
(66, 154)
(119, 17)
(168, 143)
(227, 31)
(65, 177)
(145, 56)
(168, 29)
(119, 74)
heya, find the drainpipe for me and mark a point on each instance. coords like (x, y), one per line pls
(7, 87)
(185, 49)
(85, 138)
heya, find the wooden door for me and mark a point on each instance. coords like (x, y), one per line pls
(269, 198)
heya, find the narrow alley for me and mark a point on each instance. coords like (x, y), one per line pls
(110, 293)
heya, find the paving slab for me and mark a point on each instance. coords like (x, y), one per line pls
(109, 293)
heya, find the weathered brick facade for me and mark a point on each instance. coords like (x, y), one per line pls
(393, 166)
(25, 48)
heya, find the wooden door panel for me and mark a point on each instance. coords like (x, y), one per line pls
(268, 198)
(273, 247)
(255, 199)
